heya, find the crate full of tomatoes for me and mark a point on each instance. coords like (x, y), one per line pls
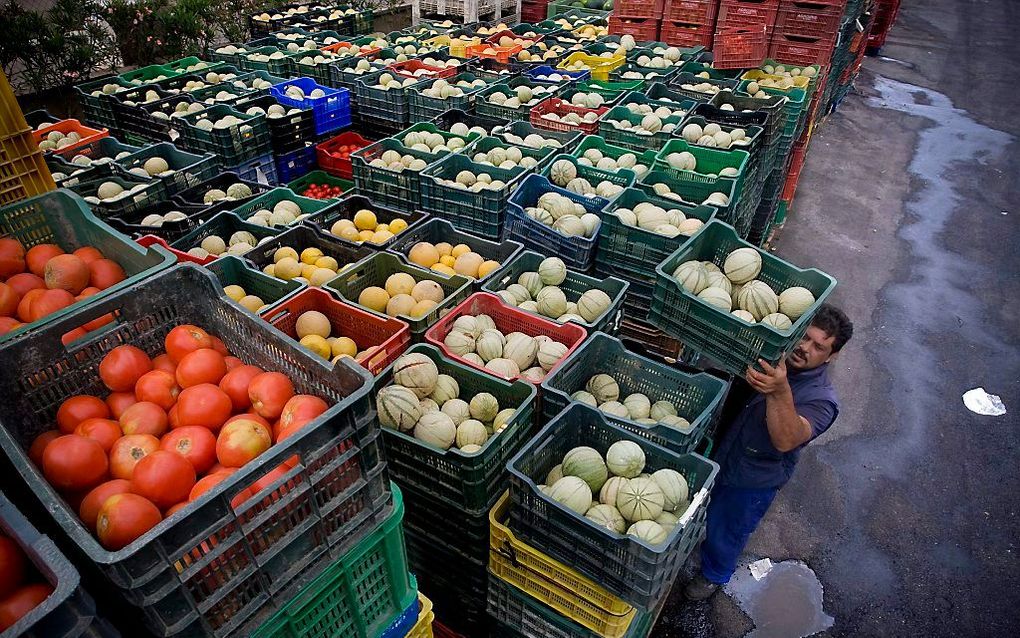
(198, 457)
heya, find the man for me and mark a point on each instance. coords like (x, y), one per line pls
(792, 404)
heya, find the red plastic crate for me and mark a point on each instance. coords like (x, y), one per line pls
(494, 38)
(740, 47)
(534, 12)
(701, 12)
(686, 35)
(561, 108)
(85, 146)
(638, 9)
(386, 337)
(328, 154)
(808, 19)
(149, 240)
(798, 50)
(798, 155)
(507, 320)
(407, 69)
(643, 29)
(747, 12)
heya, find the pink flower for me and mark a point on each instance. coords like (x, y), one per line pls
(148, 38)
(159, 42)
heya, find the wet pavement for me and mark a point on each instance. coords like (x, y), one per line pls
(906, 511)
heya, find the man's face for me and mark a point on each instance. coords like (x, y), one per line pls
(812, 351)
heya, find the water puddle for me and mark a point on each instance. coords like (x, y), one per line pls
(785, 603)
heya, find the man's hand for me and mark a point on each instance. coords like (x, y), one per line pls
(772, 381)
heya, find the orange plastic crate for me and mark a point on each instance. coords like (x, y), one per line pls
(499, 54)
(85, 146)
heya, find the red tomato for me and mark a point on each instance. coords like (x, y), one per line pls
(79, 408)
(301, 409)
(268, 479)
(235, 384)
(103, 431)
(120, 401)
(232, 362)
(93, 501)
(127, 451)
(201, 366)
(176, 508)
(104, 273)
(73, 335)
(204, 405)
(12, 257)
(21, 602)
(219, 346)
(23, 282)
(195, 443)
(49, 302)
(250, 416)
(125, 517)
(241, 441)
(163, 477)
(159, 387)
(144, 418)
(121, 368)
(88, 254)
(8, 324)
(269, 392)
(35, 453)
(184, 339)
(163, 362)
(9, 300)
(12, 566)
(38, 255)
(74, 463)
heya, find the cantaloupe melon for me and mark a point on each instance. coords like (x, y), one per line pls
(757, 298)
(742, 265)
(777, 320)
(397, 407)
(484, 407)
(593, 304)
(603, 387)
(573, 493)
(640, 499)
(586, 463)
(648, 531)
(717, 297)
(610, 489)
(673, 485)
(436, 428)
(607, 516)
(625, 458)
(457, 409)
(416, 372)
(794, 301)
(692, 275)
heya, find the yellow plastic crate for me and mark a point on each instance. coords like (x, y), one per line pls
(423, 628)
(553, 583)
(757, 75)
(600, 67)
(23, 172)
(458, 46)
(437, 42)
(12, 120)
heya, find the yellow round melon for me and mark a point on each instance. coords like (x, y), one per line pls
(400, 305)
(320, 276)
(398, 225)
(381, 237)
(350, 233)
(448, 261)
(318, 345)
(428, 289)
(326, 262)
(287, 268)
(487, 266)
(374, 298)
(251, 303)
(312, 322)
(285, 251)
(422, 308)
(467, 264)
(399, 283)
(343, 346)
(424, 254)
(366, 235)
(235, 292)
(307, 270)
(443, 268)
(365, 219)
(460, 249)
(444, 248)
(310, 255)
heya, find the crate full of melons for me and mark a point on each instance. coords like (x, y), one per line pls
(734, 302)
(614, 506)
(450, 429)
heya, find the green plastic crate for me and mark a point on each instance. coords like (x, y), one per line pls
(632, 253)
(485, 144)
(232, 270)
(359, 595)
(375, 269)
(726, 339)
(270, 199)
(667, 99)
(611, 92)
(517, 132)
(425, 108)
(648, 74)
(233, 145)
(598, 143)
(223, 225)
(481, 212)
(396, 189)
(189, 169)
(509, 88)
(429, 127)
(709, 161)
(60, 217)
(622, 177)
(470, 483)
(794, 111)
(320, 177)
(151, 192)
(698, 396)
(573, 287)
(627, 137)
(693, 192)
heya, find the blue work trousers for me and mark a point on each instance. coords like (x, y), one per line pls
(733, 514)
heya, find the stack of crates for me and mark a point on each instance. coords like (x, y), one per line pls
(742, 32)
(688, 23)
(885, 17)
(534, 11)
(448, 494)
(23, 173)
(316, 541)
(805, 31)
(555, 573)
(638, 18)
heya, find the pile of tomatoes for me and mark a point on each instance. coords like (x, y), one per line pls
(44, 279)
(171, 428)
(20, 592)
(322, 191)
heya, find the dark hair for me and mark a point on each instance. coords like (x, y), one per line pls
(835, 323)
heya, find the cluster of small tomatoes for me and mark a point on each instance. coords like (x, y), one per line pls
(323, 191)
(20, 589)
(39, 281)
(171, 428)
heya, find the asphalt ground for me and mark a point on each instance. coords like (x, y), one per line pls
(907, 509)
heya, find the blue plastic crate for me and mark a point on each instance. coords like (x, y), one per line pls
(545, 69)
(577, 253)
(405, 622)
(290, 166)
(332, 111)
(261, 169)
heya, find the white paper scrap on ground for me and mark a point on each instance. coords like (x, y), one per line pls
(760, 568)
(980, 402)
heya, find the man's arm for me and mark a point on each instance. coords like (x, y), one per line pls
(787, 429)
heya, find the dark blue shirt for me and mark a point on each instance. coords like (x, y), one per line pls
(747, 457)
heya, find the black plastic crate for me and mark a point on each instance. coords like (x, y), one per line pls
(350, 204)
(131, 223)
(301, 237)
(234, 144)
(213, 568)
(68, 612)
(189, 169)
(631, 568)
(469, 118)
(289, 133)
(222, 181)
(144, 122)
